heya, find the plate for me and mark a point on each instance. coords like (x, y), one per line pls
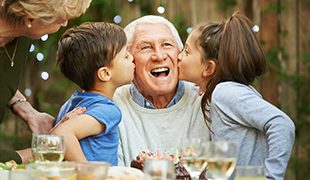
(125, 173)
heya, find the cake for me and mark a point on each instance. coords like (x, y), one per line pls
(180, 171)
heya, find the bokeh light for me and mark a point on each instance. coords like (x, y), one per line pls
(117, 19)
(32, 48)
(255, 28)
(45, 37)
(40, 56)
(160, 10)
(189, 30)
(27, 92)
(44, 75)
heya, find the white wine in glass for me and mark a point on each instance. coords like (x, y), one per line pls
(250, 173)
(50, 155)
(221, 159)
(50, 148)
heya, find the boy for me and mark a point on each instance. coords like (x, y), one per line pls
(95, 57)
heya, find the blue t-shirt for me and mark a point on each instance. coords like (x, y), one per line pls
(103, 146)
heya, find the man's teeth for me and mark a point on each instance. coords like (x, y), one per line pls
(159, 70)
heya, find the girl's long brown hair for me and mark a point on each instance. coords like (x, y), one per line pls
(236, 51)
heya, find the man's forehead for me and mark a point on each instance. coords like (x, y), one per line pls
(147, 26)
(152, 32)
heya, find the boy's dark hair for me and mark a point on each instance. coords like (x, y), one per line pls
(82, 50)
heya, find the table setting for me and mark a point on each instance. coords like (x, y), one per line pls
(195, 160)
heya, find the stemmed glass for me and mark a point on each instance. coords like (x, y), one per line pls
(156, 169)
(48, 148)
(193, 157)
(221, 157)
(34, 146)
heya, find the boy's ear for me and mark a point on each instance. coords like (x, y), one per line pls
(210, 67)
(104, 74)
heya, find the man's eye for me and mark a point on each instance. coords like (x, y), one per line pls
(167, 44)
(145, 47)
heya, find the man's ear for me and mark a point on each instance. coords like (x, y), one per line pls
(104, 74)
(210, 67)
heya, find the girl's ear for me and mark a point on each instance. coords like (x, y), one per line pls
(104, 74)
(210, 67)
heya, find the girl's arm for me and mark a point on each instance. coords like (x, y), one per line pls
(73, 130)
(243, 105)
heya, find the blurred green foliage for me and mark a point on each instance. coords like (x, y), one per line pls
(224, 5)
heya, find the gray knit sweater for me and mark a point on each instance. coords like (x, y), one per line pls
(143, 129)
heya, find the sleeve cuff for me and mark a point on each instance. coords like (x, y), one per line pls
(7, 155)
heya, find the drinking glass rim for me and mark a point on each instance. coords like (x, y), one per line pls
(94, 163)
(48, 135)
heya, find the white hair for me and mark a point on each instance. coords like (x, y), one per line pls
(152, 19)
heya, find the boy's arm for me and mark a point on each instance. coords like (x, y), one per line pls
(75, 129)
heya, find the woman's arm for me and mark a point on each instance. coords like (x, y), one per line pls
(37, 121)
(75, 129)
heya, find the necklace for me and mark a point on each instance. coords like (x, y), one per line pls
(13, 55)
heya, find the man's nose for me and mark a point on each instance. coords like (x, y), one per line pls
(159, 54)
(180, 56)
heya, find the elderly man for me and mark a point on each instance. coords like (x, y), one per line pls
(158, 111)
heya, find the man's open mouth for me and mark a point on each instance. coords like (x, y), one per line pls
(158, 72)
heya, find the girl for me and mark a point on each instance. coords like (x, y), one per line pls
(223, 60)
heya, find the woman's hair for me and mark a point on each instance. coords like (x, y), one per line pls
(84, 49)
(236, 51)
(46, 10)
(151, 19)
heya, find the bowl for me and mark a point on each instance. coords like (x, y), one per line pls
(54, 170)
(92, 170)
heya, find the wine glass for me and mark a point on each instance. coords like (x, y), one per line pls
(53, 170)
(34, 146)
(92, 170)
(193, 157)
(221, 157)
(250, 172)
(48, 148)
(156, 169)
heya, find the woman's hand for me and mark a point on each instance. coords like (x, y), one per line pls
(41, 123)
(38, 122)
(75, 112)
